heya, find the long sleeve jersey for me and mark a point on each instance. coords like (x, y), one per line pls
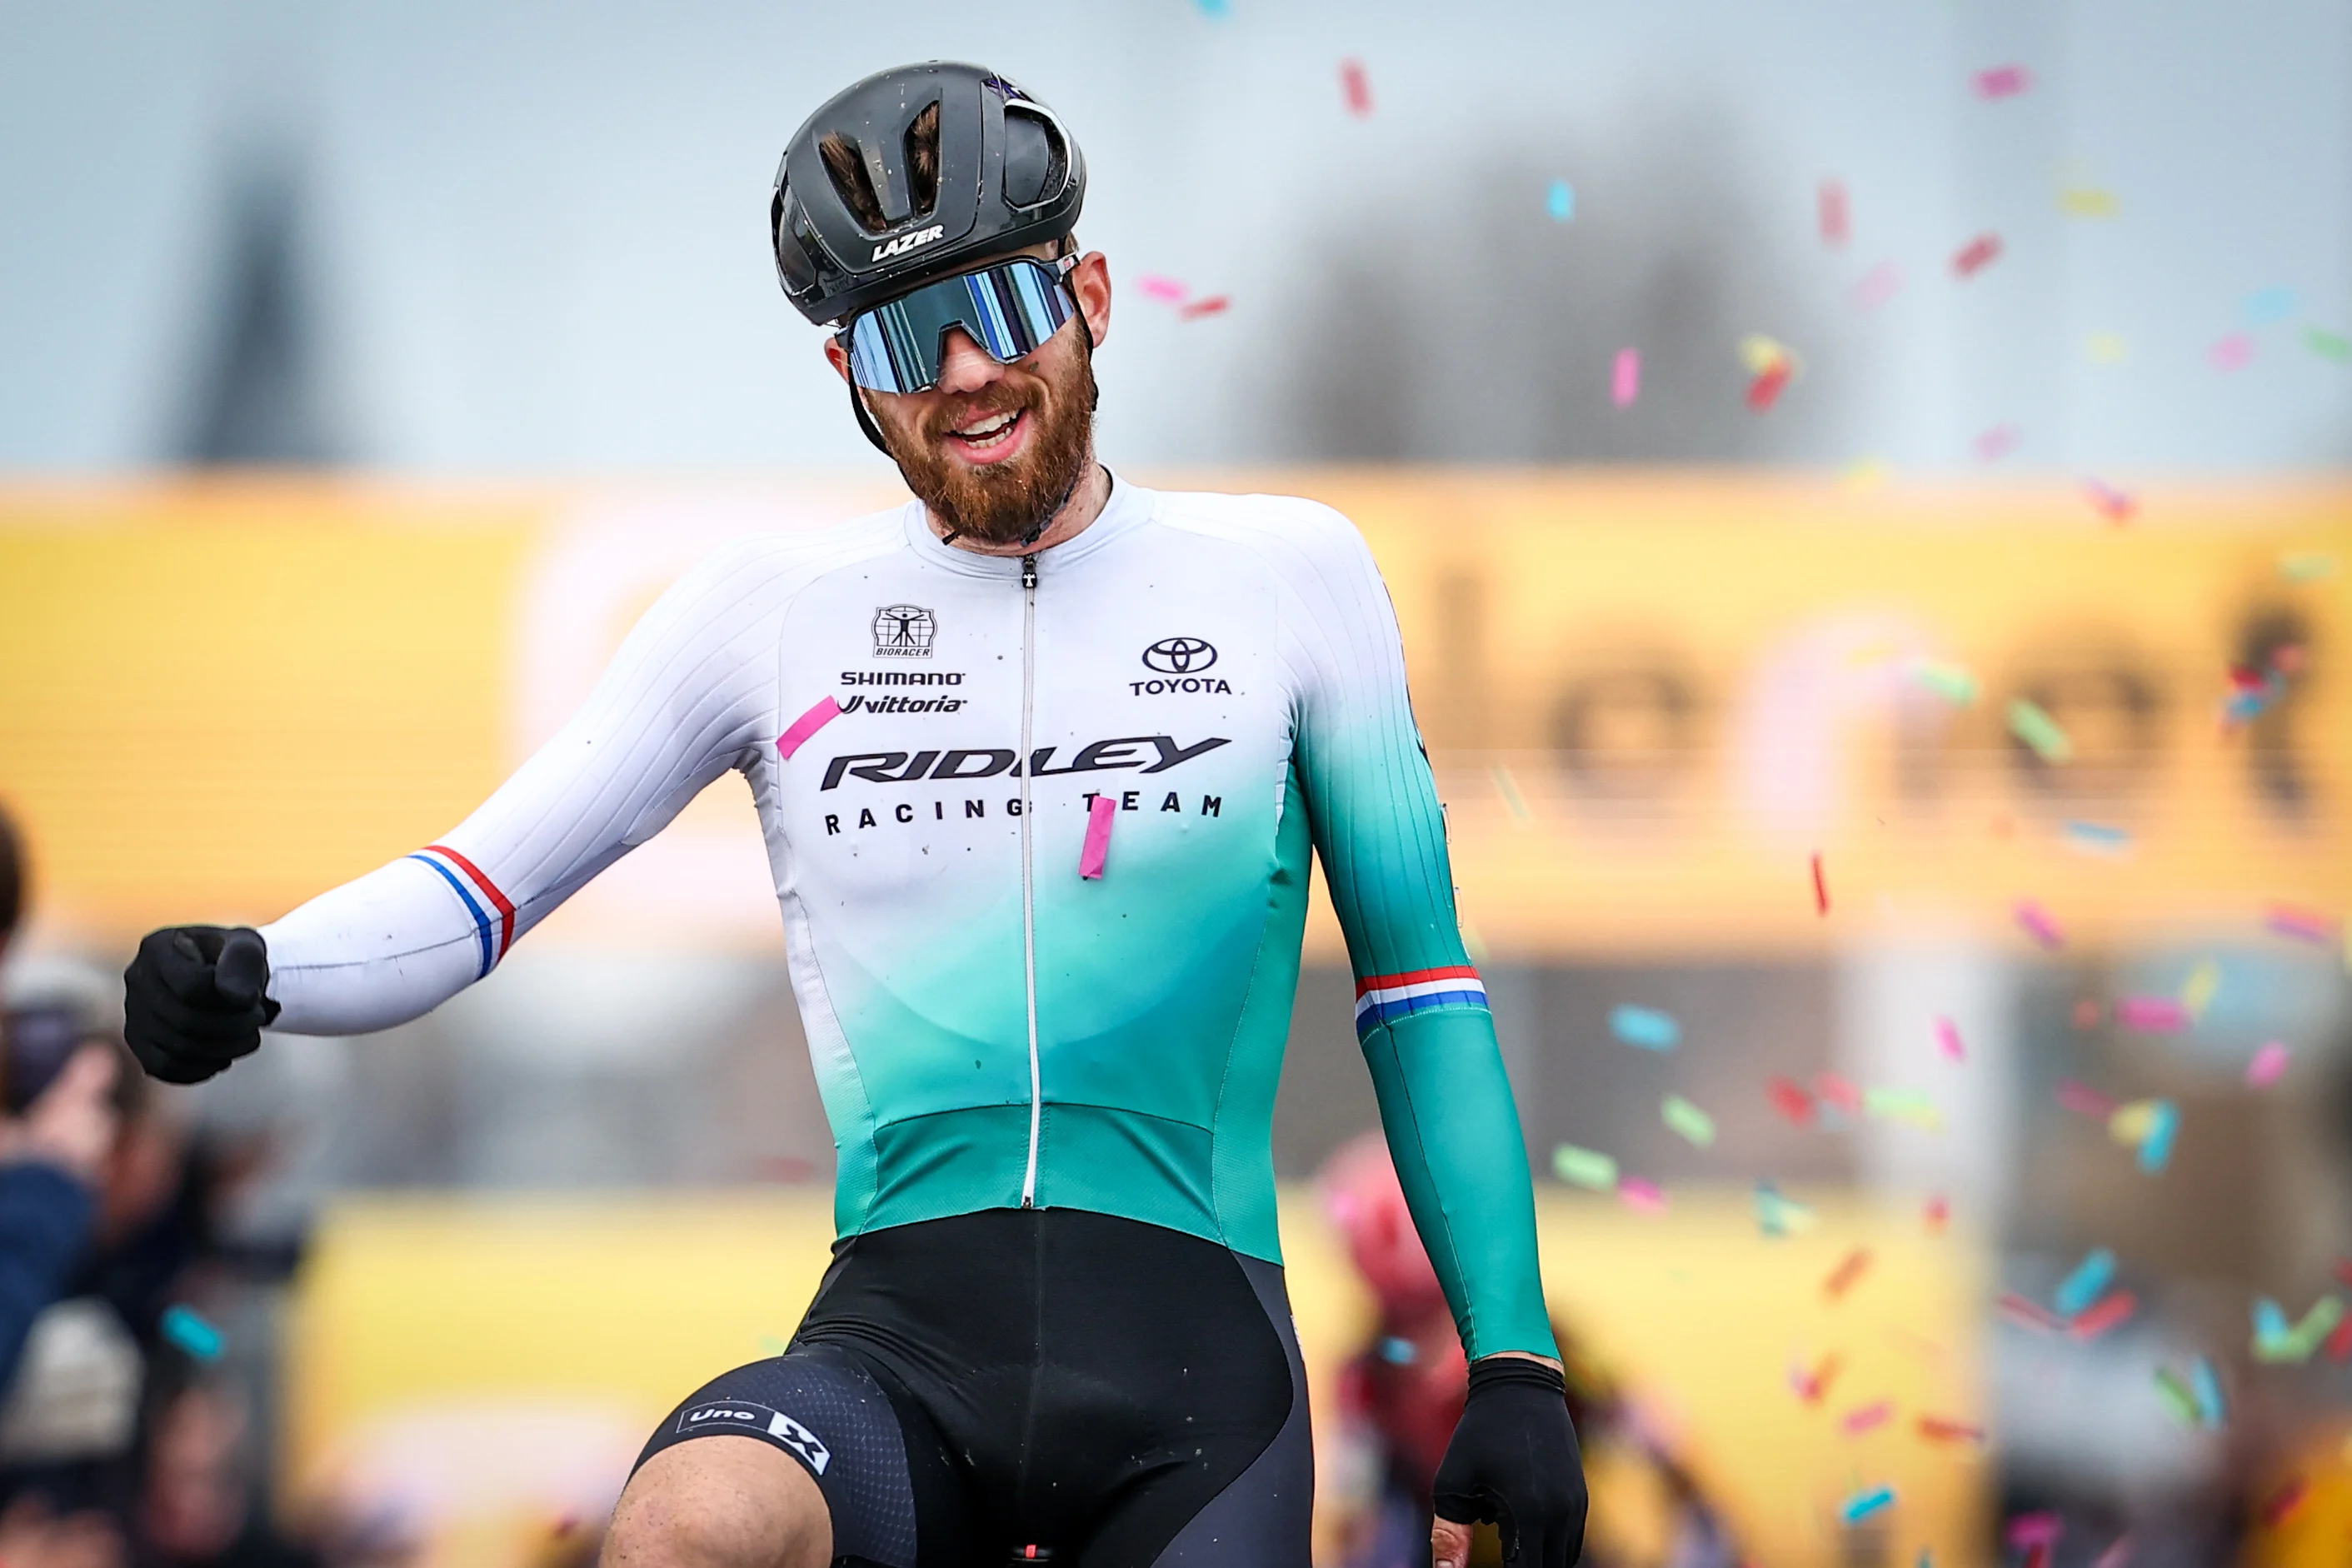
(1040, 835)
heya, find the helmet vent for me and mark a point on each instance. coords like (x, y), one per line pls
(1036, 165)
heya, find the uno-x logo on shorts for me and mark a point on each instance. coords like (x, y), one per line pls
(738, 1413)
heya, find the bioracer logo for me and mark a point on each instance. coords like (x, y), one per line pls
(907, 242)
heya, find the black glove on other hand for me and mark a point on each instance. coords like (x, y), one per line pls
(1513, 1462)
(194, 1000)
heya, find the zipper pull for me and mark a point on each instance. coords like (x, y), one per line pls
(1029, 571)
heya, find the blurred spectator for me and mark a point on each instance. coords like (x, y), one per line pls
(1399, 1397)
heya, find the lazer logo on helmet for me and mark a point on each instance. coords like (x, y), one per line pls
(1152, 753)
(907, 242)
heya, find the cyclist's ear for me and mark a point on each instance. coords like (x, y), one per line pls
(1090, 281)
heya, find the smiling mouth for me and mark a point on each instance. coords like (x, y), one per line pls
(989, 434)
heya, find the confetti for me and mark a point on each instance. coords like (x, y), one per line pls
(1765, 390)
(1940, 1430)
(187, 1329)
(1842, 1278)
(2270, 1329)
(2311, 566)
(2085, 1100)
(2003, 82)
(2303, 925)
(1166, 289)
(1792, 1101)
(1996, 443)
(1877, 286)
(2034, 1530)
(1835, 224)
(2082, 1288)
(2107, 348)
(2155, 1149)
(1356, 88)
(2332, 346)
(1977, 255)
(1216, 9)
(1644, 1027)
(2089, 1013)
(2039, 924)
(2204, 984)
(2026, 1312)
(1814, 1385)
(2103, 1315)
(1760, 353)
(1625, 377)
(1861, 1505)
(1399, 1352)
(1857, 1422)
(1560, 201)
(2213, 1410)
(2086, 201)
(2269, 1064)
(1777, 1215)
(2152, 1015)
(2276, 1342)
(2283, 1503)
(1821, 887)
(1936, 1215)
(2098, 839)
(2233, 352)
(1947, 1041)
(1837, 1091)
(2114, 505)
(2265, 306)
(1909, 1106)
(2339, 1347)
(2131, 1124)
(1508, 788)
(1948, 681)
(1642, 1197)
(826, 711)
(2116, 1556)
(1584, 1168)
(1688, 1119)
(2032, 723)
(1215, 305)
(1101, 811)
(2177, 1397)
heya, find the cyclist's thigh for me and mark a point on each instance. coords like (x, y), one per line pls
(821, 1405)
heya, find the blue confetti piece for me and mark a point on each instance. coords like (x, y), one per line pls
(1644, 1027)
(1399, 1352)
(2155, 1149)
(2267, 305)
(2212, 1409)
(2270, 1323)
(2099, 837)
(1861, 1505)
(2082, 1288)
(186, 1329)
(1560, 201)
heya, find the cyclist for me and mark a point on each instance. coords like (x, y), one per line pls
(1041, 758)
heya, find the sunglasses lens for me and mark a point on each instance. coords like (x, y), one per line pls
(1009, 309)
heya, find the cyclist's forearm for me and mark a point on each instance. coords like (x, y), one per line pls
(373, 953)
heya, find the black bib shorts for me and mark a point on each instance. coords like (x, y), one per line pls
(1050, 1385)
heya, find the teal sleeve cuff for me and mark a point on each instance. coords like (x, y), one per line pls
(1453, 1132)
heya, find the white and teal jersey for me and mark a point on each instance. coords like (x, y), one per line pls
(1040, 833)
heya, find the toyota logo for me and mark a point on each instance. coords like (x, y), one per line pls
(1180, 656)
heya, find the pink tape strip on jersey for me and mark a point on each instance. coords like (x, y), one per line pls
(1098, 846)
(807, 724)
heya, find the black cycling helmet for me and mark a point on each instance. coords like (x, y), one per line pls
(1009, 177)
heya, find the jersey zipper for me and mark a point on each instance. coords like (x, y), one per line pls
(1028, 880)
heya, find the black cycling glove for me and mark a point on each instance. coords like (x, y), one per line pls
(193, 1001)
(1513, 1462)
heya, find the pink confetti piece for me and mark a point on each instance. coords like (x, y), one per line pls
(2028, 1312)
(1625, 378)
(2152, 1015)
(1835, 219)
(2039, 924)
(1356, 88)
(1215, 305)
(2003, 82)
(1096, 849)
(807, 724)
(1936, 1215)
(1977, 255)
(2105, 1314)
(1877, 286)
(1791, 1100)
(1947, 1036)
(2302, 925)
(2085, 1100)
(1766, 389)
(2233, 352)
(1157, 288)
(1821, 887)
(2035, 1530)
(1838, 1091)
(2114, 505)
(2269, 1065)
(1996, 443)
(1857, 1422)
(2118, 1554)
(1641, 1195)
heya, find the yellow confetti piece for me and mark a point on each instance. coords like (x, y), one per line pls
(1760, 353)
(2107, 348)
(2132, 1123)
(2084, 201)
(2198, 990)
